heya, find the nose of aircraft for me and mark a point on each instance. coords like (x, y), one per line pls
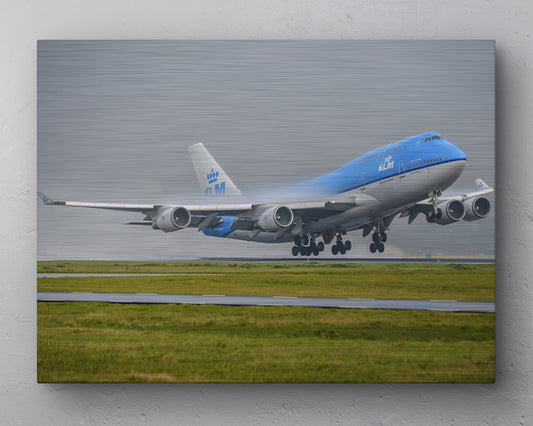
(452, 152)
(456, 160)
(457, 153)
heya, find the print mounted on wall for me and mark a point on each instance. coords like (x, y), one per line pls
(204, 202)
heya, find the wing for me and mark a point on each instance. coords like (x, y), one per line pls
(267, 216)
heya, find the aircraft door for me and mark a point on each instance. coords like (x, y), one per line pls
(401, 169)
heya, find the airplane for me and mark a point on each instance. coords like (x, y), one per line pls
(404, 179)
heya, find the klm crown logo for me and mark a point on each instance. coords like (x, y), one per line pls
(220, 187)
(212, 177)
(388, 163)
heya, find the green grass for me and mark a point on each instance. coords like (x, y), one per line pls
(95, 342)
(385, 281)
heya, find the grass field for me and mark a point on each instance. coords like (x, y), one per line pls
(385, 281)
(97, 342)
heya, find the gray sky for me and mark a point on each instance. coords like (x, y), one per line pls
(115, 120)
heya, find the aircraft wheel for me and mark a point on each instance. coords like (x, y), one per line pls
(303, 250)
(316, 252)
(381, 247)
(295, 250)
(308, 251)
(375, 237)
(342, 249)
(348, 245)
(305, 240)
(334, 250)
(320, 246)
(312, 245)
(383, 237)
(373, 247)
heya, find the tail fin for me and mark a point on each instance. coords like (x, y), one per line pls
(213, 180)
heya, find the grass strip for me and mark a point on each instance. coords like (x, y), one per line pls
(385, 281)
(96, 342)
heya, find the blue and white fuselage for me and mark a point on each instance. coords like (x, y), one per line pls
(381, 182)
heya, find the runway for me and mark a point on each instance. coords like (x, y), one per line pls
(146, 298)
(345, 259)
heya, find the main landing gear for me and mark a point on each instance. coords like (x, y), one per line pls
(340, 247)
(379, 237)
(307, 246)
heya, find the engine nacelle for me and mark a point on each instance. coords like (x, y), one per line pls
(450, 212)
(476, 208)
(173, 219)
(275, 218)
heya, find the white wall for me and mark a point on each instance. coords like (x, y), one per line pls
(24, 402)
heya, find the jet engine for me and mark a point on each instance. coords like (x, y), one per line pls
(275, 218)
(173, 219)
(476, 208)
(449, 212)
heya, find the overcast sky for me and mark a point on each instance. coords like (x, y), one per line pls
(115, 120)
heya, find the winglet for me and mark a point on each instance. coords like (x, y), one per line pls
(48, 201)
(481, 185)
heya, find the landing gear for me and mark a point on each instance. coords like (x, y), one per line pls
(379, 237)
(435, 199)
(307, 246)
(431, 215)
(340, 246)
(377, 247)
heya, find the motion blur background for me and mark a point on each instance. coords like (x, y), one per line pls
(115, 119)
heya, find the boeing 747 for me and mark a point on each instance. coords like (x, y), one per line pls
(404, 179)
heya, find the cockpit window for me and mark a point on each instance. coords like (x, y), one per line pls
(433, 138)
